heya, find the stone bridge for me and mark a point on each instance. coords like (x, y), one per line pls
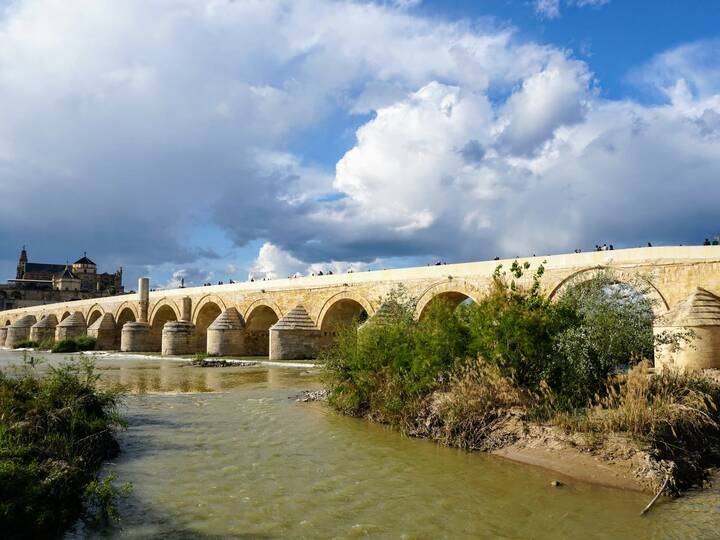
(295, 318)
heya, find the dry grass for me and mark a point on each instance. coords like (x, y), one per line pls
(475, 399)
(674, 414)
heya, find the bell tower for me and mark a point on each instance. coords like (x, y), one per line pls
(21, 264)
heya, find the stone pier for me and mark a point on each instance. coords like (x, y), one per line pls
(19, 331)
(44, 329)
(294, 337)
(71, 327)
(226, 335)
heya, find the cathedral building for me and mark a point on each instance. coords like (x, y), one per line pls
(42, 283)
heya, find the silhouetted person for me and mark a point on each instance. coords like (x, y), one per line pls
(706, 242)
(649, 244)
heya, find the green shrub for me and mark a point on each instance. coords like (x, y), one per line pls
(27, 344)
(68, 345)
(55, 432)
(46, 344)
(514, 327)
(392, 361)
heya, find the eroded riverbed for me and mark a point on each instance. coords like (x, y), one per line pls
(223, 453)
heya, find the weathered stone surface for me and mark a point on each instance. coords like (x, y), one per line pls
(294, 337)
(700, 314)
(178, 338)
(675, 273)
(135, 337)
(19, 330)
(71, 327)
(3, 335)
(44, 329)
(226, 334)
(105, 332)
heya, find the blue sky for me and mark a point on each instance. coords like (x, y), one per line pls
(211, 140)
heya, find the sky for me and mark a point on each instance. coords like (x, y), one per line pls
(209, 140)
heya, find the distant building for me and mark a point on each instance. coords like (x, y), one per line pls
(41, 283)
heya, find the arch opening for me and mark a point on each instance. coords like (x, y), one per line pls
(257, 330)
(207, 314)
(7, 322)
(454, 299)
(94, 316)
(615, 305)
(64, 316)
(161, 316)
(343, 313)
(125, 316)
(627, 282)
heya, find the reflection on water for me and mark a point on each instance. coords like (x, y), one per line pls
(236, 458)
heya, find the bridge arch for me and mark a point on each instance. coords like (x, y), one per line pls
(160, 305)
(453, 291)
(93, 314)
(211, 299)
(163, 312)
(657, 300)
(64, 316)
(259, 317)
(342, 309)
(206, 311)
(124, 314)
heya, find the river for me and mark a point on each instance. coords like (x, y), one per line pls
(229, 453)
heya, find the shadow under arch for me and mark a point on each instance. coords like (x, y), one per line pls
(259, 317)
(121, 313)
(339, 310)
(657, 300)
(163, 312)
(453, 291)
(206, 311)
(160, 304)
(93, 314)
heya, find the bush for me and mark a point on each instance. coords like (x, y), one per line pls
(46, 344)
(392, 361)
(514, 327)
(68, 345)
(563, 352)
(27, 344)
(55, 432)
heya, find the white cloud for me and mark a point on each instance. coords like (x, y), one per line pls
(273, 262)
(548, 8)
(187, 277)
(144, 120)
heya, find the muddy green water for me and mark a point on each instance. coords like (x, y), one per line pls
(223, 453)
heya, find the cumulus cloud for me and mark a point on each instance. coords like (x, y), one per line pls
(125, 127)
